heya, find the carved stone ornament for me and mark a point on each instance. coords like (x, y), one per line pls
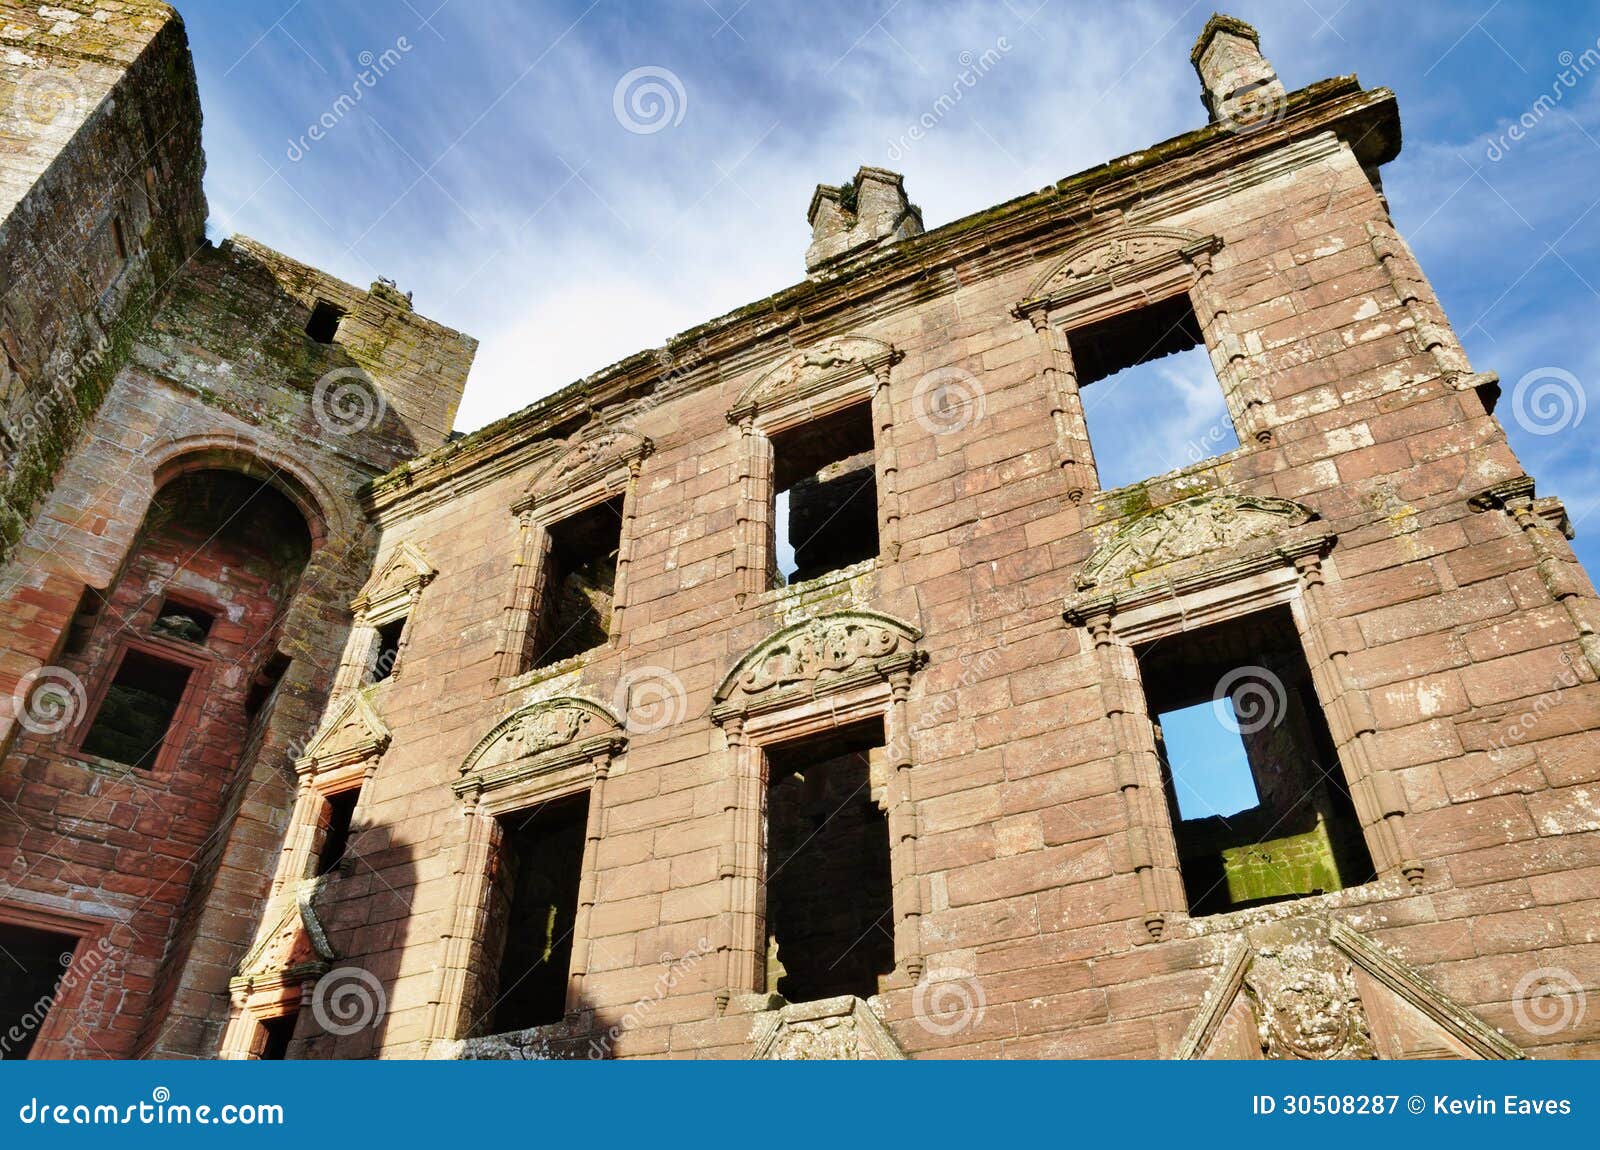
(812, 370)
(541, 736)
(1312, 988)
(828, 651)
(1184, 530)
(294, 948)
(353, 734)
(831, 1029)
(405, 571)
(1105, 261)
(589, 458)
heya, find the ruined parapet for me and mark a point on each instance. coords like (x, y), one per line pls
(1238, 84)
(849, 219)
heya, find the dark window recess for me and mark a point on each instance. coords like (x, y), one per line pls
(573, 611)
(1150, 395)
(825, 506)
(830, 920)
(83, 621)
(118, 239)
(324, 322)
(388, 652)
(265, 681)
(1258, 799)
(137, 710)
(341, 809)
(535, 902)
(180, 621)
(30, 967)
(276, 1034)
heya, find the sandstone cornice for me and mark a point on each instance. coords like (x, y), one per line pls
(1019, 231)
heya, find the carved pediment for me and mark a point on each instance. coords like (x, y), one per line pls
(1311, 988)
(405, 570)
(294, 946)
(825, 652)
(1184, 530)
(541, 736)
(1118, 257)
(814, 369)
(830, 1029)
(352, 734)
(590, 457)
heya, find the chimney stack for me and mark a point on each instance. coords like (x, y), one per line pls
(1238, 84)
(851, 219)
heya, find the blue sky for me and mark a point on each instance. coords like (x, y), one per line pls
(489, 172)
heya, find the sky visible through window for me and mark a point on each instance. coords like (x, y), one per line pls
(1179, 395)
(1210, 772)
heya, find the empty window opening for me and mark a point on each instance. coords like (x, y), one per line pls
(324, 322)
(265, 681)
(86, 615)
(1258, 800)
(275, 1036)
(137, 710)
(176, 620)
(578, 579)
(1154, 404)
(825, 496)
(339, 810)
(830, 918)
(535, 908)
(387, 652)
(32, 962)
(119, 240)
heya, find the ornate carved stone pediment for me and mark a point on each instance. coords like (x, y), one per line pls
(295, 947)
(405, 570)
(1118, 257)
(832, 1028)
(589, 458)
(540, 737)
(814, 369)
(1184, 530)
(1313, 988)
(354, 733)
(816, 655)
